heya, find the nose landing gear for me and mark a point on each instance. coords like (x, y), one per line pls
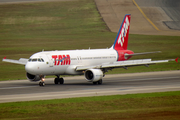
(42, 83)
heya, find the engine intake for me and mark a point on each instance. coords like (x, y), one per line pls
(93, 75)
(33, 77)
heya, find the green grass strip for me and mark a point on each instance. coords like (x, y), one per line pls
(163, 105)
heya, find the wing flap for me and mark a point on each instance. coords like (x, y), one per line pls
(122, 64)
(21, 61)
(81, 68)
(133, 63)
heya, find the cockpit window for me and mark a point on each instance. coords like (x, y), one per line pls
(42, 60)
(39, 59)
(34, 60)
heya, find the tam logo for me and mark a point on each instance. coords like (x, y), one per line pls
(61, 59)
(124, 30)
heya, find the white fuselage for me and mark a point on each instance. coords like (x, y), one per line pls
(65, 62)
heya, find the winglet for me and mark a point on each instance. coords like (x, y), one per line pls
(176, 59)
(4, 57)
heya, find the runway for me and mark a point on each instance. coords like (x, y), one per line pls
(24, 90)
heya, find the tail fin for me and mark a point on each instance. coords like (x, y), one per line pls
(121, 40)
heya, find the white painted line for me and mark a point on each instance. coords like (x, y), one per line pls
(17, 87)
(141, 79)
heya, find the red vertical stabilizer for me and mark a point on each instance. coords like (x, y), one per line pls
(121, 41)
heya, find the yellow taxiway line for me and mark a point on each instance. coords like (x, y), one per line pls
(145, 15)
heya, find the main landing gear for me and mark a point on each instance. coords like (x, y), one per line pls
(98, 82)
(58, 80)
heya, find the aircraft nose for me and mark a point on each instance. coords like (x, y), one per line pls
(30, 68)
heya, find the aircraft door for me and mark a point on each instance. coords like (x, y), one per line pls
(79, 59)
(50, 61)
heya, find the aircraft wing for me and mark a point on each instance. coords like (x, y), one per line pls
(122, 64)
(21, 61)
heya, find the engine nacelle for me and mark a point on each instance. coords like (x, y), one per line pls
(33, 77)
(93, 75)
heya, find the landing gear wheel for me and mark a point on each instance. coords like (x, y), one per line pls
(61, 80)
(41, 83)
(94, 83)
(56, 80)
(100, 82)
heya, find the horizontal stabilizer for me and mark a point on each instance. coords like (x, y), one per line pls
(128, 55)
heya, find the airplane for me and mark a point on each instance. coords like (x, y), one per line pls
(93, 63)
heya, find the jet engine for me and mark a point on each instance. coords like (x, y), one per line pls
(93, 75)
(33, 77)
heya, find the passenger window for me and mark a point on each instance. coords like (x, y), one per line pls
(36, 59)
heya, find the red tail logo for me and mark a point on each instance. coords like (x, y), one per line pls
(121, 40)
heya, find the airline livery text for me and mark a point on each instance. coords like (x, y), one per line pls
(61, 59)
(123, 33)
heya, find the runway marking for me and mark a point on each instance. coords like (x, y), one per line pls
(60, 95)
(153, 78)
(145, 15)
(17, 87)
(141, 79)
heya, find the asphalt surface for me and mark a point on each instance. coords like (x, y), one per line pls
(24, 90)
(170, 7)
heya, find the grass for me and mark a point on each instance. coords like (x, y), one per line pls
(165, 105)
(28, 28)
